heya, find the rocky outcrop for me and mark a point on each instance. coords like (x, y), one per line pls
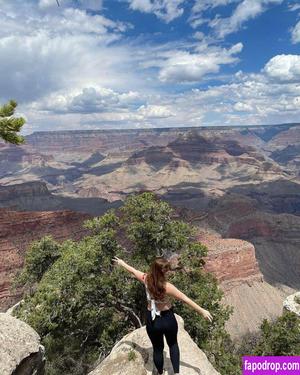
(32, 195)
(232, 261)
(292, 303)
(234, 264)
(134, 353)
(19, 229)
(21, 352)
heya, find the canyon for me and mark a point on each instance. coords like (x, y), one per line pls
(238, 185)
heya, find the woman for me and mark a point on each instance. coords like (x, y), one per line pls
(160, 315)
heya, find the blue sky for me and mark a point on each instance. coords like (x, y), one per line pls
(92, 64)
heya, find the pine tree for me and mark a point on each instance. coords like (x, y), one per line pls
(9, 125)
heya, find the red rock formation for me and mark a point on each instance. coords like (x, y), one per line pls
(19, 229)
(232, 261)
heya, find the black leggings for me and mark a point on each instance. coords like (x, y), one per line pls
(166, 324)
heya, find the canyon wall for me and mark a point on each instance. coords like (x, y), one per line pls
(19, 229)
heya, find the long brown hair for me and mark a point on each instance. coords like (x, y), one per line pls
(156, 277)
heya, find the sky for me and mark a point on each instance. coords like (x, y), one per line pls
(101, 64)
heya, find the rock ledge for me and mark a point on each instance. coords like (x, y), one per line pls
(137, 347)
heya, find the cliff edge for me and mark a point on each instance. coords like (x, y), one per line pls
(133, 355)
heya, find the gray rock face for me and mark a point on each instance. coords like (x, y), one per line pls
(134, 353)
(20, 350)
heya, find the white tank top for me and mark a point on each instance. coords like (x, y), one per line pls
(154, 311)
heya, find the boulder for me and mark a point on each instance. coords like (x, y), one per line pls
(20, 350)
(292, 303)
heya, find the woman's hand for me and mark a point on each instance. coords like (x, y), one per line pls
(206, 315)
(118, 261)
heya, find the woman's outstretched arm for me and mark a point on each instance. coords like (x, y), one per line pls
(176, 293)
(138, 274)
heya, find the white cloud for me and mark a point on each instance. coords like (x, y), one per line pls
(68, 21)
(246, 10)
(167, 10)
(249, 99)
(49, 52)
(242, 107)
(89, 100)
(284, 68)
(252, 99)
(294, 7)
(200, 6)
(296, 33)
(155, 111)
(71, 69)
(184, 66)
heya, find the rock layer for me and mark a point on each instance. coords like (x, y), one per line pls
(232, 261)
(19, 229)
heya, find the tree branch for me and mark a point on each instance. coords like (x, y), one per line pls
(134, 318)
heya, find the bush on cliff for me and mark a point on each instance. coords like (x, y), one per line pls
(280, 337)
(83, 305)
(39, 258)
